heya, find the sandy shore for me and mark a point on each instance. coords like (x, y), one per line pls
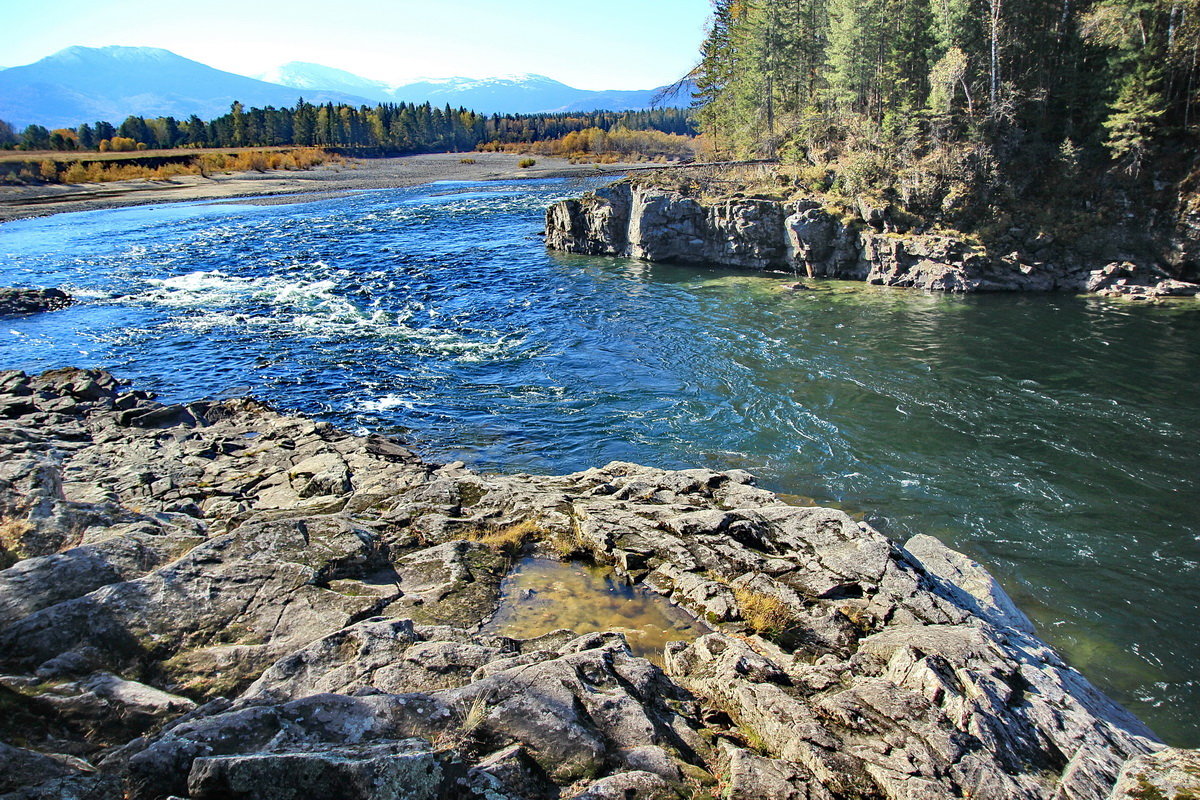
(19, 202)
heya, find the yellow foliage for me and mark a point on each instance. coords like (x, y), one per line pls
(257, 160)
(75, 173)
(606, 147)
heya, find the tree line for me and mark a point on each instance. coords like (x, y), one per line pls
(398, 128)
(988, 88)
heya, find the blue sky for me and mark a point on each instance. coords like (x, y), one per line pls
(614, 44)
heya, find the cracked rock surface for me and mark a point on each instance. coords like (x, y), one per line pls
(215, 600)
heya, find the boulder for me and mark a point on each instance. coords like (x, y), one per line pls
(32, 301)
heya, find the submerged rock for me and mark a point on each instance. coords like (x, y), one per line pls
(803, 237)
(32, 301)
(217, 600)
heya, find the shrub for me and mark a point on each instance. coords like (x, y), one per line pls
(76, 173)
(466, 161)
(526, 163)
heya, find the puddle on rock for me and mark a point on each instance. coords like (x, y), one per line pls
(541, 595)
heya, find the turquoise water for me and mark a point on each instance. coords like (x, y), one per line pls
(1052, 437)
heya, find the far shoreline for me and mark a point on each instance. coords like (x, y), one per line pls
(334, 179)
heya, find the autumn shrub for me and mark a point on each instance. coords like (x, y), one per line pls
(75, 173)
(526, 163)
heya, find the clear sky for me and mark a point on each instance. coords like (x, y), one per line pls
(614, 44)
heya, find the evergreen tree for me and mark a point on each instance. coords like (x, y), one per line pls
(35, 137)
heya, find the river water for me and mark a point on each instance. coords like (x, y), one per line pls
(1051, 437)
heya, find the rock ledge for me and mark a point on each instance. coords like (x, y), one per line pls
(637, 221)
(214, 600)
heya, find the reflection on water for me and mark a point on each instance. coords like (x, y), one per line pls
(542, 595)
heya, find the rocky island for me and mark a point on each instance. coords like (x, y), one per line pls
(217, 600)
(872, 242)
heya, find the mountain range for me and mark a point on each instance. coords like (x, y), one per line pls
(85, 84)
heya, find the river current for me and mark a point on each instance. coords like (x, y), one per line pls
(1054, 438)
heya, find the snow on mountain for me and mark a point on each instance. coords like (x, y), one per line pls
(85, 84)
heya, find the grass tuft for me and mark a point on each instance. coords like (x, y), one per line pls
(762, 612)
(12, 532)
(509, 539)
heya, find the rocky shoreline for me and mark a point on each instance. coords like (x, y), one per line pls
(216, 600)
(870, 243)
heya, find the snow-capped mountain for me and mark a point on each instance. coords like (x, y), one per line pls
(505, 94)
(310, 77)
(85, 84)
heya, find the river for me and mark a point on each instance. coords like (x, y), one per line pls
(1051, 437)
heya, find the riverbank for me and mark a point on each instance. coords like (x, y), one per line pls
(19, 202)
(215, 598)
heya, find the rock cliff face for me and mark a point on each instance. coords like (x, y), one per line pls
(636, 221)
(214, 600)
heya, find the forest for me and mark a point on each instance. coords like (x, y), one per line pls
(953, 107)
(400, 128)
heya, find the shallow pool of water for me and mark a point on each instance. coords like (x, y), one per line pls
(542, 595)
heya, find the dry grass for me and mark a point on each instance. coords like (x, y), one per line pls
(75, 155)
(107, 167)
(762, 612)
(470, 719)
(12, 532)
(509, 539)
(475, 716)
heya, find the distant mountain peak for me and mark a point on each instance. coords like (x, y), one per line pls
(113, 52)
(84, 84)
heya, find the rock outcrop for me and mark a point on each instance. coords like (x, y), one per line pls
(800, 236)
(1173, 774)
(32, 301)
(214, 600)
